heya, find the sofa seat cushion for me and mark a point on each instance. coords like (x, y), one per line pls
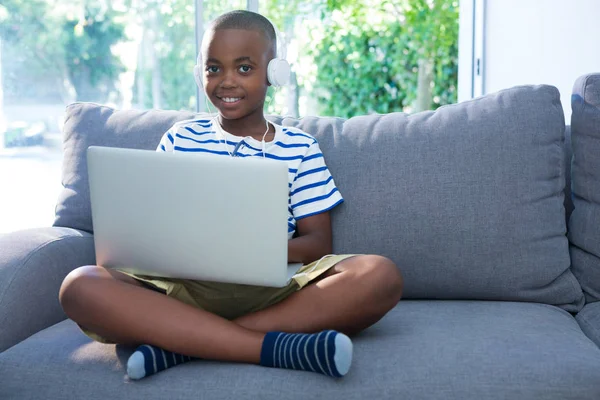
(420, 350)
(589, 320)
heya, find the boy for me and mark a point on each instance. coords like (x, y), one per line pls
(301, 326)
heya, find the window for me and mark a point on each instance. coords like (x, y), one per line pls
(123, 53)
(353, 57)
(348, 57)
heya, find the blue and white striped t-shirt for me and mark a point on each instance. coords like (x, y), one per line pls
(311, 186)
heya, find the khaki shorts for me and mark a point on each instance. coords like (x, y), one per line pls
(230, 300)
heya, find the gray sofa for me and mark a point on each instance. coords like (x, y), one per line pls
(473, 202)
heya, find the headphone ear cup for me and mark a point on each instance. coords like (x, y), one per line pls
(278, 72)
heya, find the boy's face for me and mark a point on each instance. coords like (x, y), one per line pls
(235, 71)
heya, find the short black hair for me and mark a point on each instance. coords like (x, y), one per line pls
(247, 20)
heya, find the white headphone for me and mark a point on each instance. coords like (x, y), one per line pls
(278, 70)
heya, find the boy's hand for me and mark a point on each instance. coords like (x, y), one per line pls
(313, 241)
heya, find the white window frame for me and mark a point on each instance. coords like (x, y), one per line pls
(471, 49)
(199, 13)
(252, 5)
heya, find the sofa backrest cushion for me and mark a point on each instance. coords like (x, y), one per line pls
(89, 124)
(584, 225)
(568, 158)
(467, 200)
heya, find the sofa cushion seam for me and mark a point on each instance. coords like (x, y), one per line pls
(583, 321)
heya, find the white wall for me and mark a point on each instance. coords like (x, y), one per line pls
(540, 41)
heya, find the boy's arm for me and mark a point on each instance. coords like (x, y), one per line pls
(313, 241)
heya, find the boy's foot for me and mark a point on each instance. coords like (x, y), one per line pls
(147, 360)
(326, 352)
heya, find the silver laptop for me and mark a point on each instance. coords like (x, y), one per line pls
(192, 216)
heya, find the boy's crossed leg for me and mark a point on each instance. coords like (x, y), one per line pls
(350, 297)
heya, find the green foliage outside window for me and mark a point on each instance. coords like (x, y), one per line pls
(63, 53)
(91, 67)
(394, 56)
(372, 58)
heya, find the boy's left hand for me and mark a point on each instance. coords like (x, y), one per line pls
(313, 241)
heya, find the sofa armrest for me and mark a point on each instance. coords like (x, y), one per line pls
(33, 264)
(589, 321)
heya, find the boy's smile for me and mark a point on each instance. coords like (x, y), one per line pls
(235, 74)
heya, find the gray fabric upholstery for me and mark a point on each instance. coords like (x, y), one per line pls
(467, 200)
(584, 226)
(448, 350)
(33, 264)
(88, 124)
(589, 320)
(568, 158)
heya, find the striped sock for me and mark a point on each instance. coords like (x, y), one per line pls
(326, 352)
(147, 360)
